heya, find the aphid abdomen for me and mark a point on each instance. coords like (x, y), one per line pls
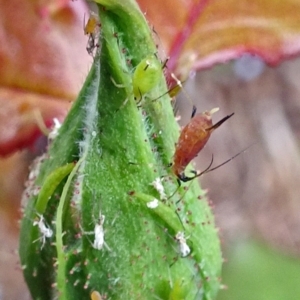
(146, 76)
(192, 139)
(91, 25)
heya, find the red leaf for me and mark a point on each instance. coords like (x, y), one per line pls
(39, 69)
(20, 115)
(199, 33)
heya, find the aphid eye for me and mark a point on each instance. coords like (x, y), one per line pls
(146, 76)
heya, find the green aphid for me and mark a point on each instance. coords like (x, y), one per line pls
(146, 76)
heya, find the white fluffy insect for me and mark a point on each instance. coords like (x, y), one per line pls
(157, 184)
(45, 231)
(99, 233)
(183, 246)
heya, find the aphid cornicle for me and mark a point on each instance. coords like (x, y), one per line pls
(191, 141)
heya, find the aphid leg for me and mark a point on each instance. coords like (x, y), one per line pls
(183, 193)
(91, 45)
(140, 97)
(164, 65)
(182, 177)
(178, 186)
(120, 86)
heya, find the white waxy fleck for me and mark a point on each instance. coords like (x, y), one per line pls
(157, 184)
(152, 204)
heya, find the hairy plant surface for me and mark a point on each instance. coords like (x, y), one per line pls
(101, 213)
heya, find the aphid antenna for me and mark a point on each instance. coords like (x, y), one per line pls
(179, 219)
(179, 84)
(162, 50)
(183, 193)
(83, 25)
(178, 187)
(184, 178)
(166, 93)
(164, 65)
(173, 91)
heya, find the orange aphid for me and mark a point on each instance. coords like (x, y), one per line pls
(91, 25)
(192, 139)
(91, 29)
(95, 295)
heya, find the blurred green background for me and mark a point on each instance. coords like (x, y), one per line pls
(255, 271)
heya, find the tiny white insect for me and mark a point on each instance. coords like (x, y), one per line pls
(54, 132)
(153, 203)
(157, 184)
(183, 246)
(45, 231)
(99, 233)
